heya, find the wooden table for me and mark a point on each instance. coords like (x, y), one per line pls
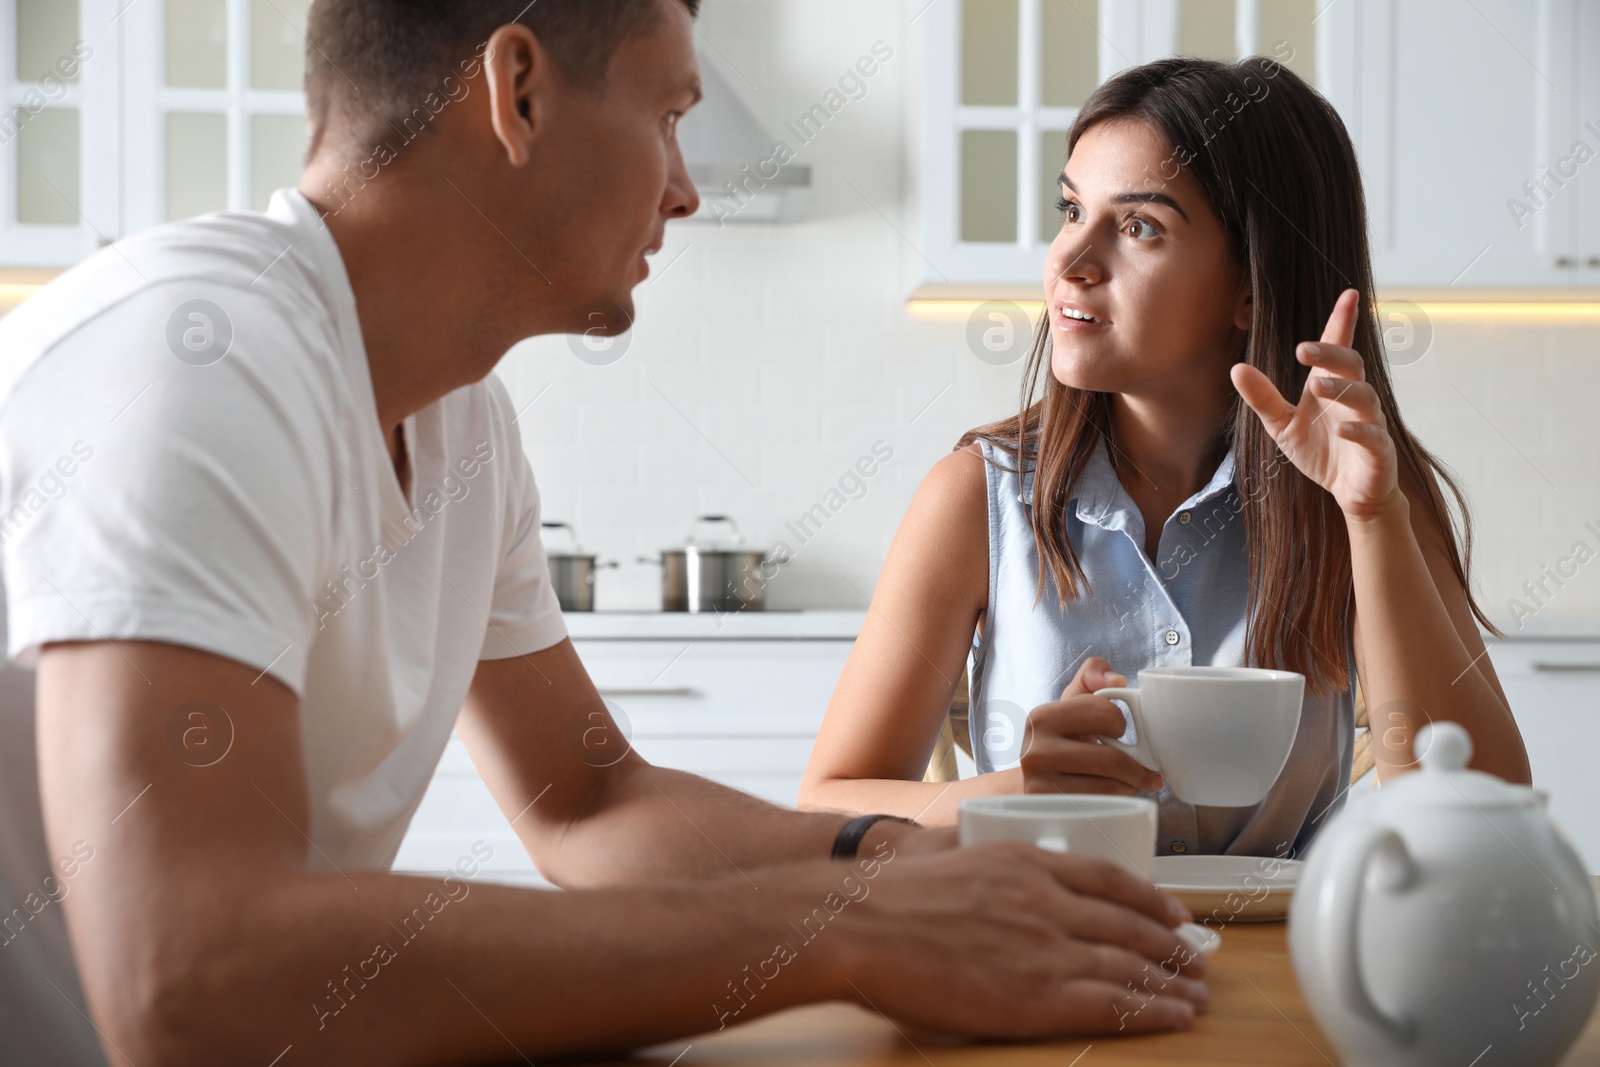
(1256, 1017)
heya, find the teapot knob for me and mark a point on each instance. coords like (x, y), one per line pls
(1444, 746)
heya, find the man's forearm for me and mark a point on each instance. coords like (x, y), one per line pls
(653, 822)
(434, 971)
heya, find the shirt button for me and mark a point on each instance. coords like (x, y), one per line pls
(1184, 517)
(1179, 846)
(1172, 637)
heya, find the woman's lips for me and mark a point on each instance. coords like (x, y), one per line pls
(1065, 317)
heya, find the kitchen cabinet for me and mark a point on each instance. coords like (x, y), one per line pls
(59, 148)
(1554, 690)
(214, 111)
(115, 116)
(1583, 126)
(737, 699)
(1003, 82)
(1477, 126)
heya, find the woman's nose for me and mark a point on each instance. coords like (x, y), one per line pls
(1074, 261)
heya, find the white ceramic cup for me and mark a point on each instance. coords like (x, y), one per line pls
(1120, 829)
(1219, 735)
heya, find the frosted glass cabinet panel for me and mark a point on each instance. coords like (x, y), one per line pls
(1052, 158)
(277, 155)
(46, 31)
(48, 169)
(1286, 30)
(197, 43)
(278, 44)
(989, 52)
(1069, 51)
(1209, 29)
(989, 186)
(197, 164)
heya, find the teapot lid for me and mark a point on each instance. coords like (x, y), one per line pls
(1444, 750)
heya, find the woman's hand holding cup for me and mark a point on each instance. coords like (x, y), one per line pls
(1061, 752)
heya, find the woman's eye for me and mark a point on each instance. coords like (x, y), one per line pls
(1070, 212)
(1139, 229)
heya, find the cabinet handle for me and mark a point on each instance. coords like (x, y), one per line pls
(1593, 262)
(678, 691)
(1564, 262)
(1558, 668)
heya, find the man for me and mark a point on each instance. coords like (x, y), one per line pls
(297, 542)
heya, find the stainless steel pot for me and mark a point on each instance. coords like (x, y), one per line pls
(572, 571)
(713, 576)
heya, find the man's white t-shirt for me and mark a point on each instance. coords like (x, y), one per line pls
(190, 453)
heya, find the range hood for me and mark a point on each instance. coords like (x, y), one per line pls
(741, 173)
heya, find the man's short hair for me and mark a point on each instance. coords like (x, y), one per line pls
(376, 68)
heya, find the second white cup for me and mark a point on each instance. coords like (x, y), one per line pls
(1120, 829)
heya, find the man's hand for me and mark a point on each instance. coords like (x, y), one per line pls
(1061, 751)
(1006, 940)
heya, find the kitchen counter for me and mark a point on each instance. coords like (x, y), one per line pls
(727, 626)
(843, 624)
(1551, 628)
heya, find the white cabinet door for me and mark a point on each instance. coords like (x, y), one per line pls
(456, 814)
(1554, 690)
(1585, 125)
(743, 713)
(1462, 115)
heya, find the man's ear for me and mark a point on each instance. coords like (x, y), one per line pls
(514, 65)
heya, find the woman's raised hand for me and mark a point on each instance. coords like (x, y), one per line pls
(1337, 435)
(1061, 752)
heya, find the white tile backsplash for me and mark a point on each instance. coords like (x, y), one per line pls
(1512, 405)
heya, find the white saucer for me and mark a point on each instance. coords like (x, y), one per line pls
(1221, 889)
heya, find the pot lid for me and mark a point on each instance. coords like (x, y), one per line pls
(733, 542)
(571, 550)
(1445, 780)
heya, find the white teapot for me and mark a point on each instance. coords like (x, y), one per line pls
(1444, 919)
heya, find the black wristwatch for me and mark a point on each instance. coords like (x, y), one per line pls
(851, 833)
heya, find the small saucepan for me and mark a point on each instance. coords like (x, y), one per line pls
(709, 575)
(572, 571)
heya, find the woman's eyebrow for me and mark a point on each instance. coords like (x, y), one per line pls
(1136, 198)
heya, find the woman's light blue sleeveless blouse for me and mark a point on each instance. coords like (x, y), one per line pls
(1186, 607)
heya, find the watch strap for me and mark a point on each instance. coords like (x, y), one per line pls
(848, 842)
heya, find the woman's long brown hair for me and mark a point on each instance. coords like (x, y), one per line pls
(1277, 165)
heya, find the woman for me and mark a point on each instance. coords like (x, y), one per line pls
(1162, 503)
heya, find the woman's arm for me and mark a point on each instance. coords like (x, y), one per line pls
(895, 691)
(891, 701)
(1418, 653)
